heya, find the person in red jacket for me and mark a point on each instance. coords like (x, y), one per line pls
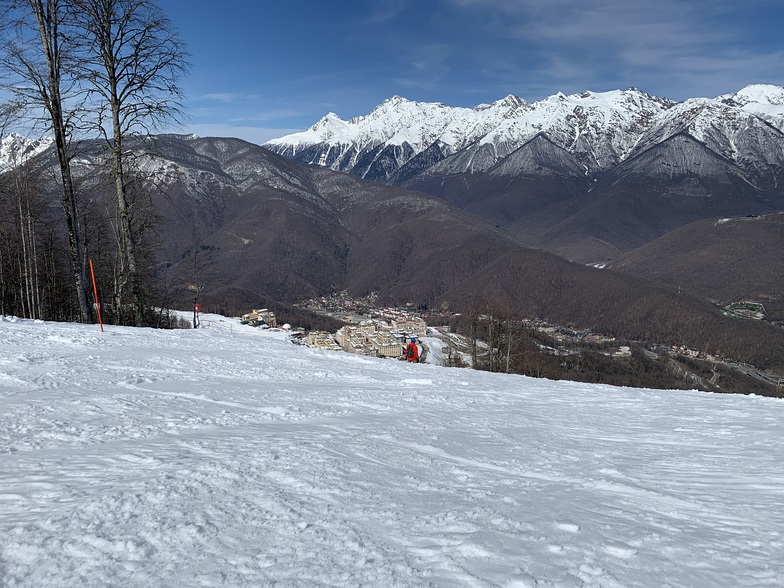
(412, 351)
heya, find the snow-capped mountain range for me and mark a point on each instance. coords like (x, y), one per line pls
(587, 176)
(599, 129)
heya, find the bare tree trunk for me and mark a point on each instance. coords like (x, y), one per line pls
(47, 18)
(133, 61)
(491, 343)
(22, 257)
(37, 310)
(30, 293)
(119, 273)
(508, 345)
(127, 239)
(3, 280)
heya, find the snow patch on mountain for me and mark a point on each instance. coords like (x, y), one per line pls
(764, 100)
(16, 150)
(736, 133)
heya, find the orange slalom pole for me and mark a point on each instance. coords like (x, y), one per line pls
(95, 292)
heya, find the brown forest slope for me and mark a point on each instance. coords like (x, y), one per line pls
(244, 225)
(724, 260)
(608, 302)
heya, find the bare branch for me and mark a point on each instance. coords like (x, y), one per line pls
(131, 64)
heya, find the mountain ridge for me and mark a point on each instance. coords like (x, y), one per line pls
(603, 125)
(648, 164)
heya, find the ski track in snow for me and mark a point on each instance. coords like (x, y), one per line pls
(227, 457)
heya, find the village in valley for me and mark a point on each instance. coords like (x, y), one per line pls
(369, 331)
(384, 332)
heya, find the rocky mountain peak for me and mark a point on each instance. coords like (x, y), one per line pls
(511, 101)
(15, 149)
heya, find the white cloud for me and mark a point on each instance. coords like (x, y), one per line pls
(681, 48)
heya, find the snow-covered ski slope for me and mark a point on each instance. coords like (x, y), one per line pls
(226, 456)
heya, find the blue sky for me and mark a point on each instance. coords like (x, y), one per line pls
(262, 69)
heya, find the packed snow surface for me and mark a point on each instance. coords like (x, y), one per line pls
(226, 456)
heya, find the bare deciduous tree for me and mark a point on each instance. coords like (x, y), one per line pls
(132, 60)
(36, 58)
(23, 190)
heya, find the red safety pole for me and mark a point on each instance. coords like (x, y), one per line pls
(95, 292)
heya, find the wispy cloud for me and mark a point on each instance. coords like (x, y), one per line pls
(276, 114)
(668, 42)
(348, 57)
(383, 11)
(230, 97)
(428, 65)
